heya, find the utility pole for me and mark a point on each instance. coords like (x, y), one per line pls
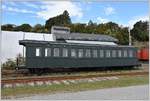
(1, 39)
(130, 41)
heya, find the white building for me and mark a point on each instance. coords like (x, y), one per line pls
(10, 42)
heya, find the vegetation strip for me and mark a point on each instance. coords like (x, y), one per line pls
(28, 90)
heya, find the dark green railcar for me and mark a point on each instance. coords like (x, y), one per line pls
(46, 54)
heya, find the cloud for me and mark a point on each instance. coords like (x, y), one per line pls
(12, 3)
(3, 7)
(109, 10)
(136, 19)
(30, 4)
(102, 20)
(53, 8)
(13, 9)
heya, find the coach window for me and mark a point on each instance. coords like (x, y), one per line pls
(130, 53)
(38, 52)
(95, 53)
(119, 53)
(107, 53)
(65, 52)
(56, 52)
(101, 53)
(125, 53)
(88, 53)
(113, 53)
(73, 53)
(47, 52)
(80, 54)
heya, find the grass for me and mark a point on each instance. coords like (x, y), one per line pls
(28, 90)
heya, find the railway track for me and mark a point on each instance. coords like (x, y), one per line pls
(26, 73)
(44, 79)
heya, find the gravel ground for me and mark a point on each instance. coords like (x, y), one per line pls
(123, 93)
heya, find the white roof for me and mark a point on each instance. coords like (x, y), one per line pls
(91, 42)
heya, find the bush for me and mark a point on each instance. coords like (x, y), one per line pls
(9, 64)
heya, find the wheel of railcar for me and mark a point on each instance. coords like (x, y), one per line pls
(39, 71)
(31, 70)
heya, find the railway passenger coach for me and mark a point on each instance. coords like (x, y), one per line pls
(61, 54)
(44, 54)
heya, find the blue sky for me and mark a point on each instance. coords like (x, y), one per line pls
(123, 13)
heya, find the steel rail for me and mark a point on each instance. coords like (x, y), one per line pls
(34, 79)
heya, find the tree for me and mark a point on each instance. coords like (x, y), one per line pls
(91, 27)
(66, 18)
(90, 23)
(109, 28)
(140, 31)
(8, 27)
(24, 28)
(60, 20)
(78, 28)
(38, 28)
(114, 30)
(123, 36)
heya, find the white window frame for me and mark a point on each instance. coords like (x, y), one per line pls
(95, 54)
(47, 52)
(114, 53)
(125, 54)
(130, 53)
(65, 52)
(108, 54)
(80, 53)
(38, 52)
(119, 53)
(73, 53)
(101, 53)
(88, 53)
(56, 52)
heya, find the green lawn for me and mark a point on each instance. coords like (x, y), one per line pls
(121, 82)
